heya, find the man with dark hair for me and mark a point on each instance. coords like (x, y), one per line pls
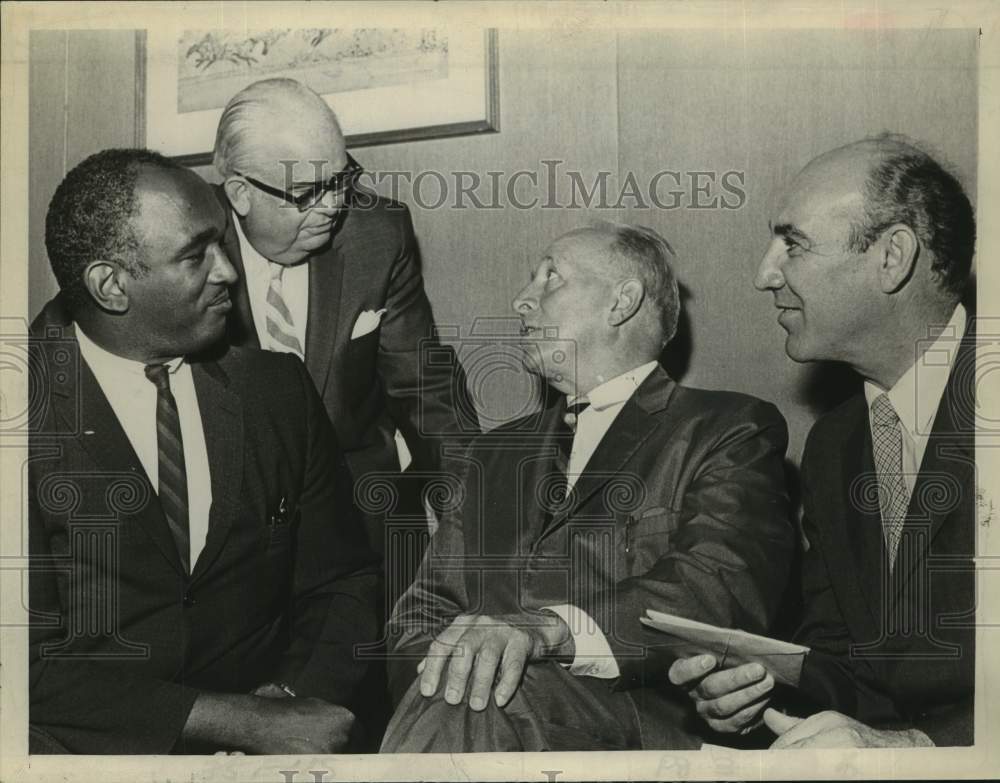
(198, 579)
(522, 630)
(870, 257)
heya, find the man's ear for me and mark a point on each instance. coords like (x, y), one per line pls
(238, 193)
(898, 258)
(103, 282)
(630, 294)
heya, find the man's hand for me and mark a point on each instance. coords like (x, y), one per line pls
(477, 647)
(300, 726)
(268, 725)
(729, 700)
(835, 730)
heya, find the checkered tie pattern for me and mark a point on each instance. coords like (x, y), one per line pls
(172, 472)
(893, 496)
(280, 324)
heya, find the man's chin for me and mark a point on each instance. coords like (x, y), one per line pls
(210, 337)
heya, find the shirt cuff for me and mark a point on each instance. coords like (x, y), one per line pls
(593, 656)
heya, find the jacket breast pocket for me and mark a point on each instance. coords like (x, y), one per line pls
(647, 538)
(279, 529)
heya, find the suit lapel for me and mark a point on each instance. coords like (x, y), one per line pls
(947, 472)
(222, 419)
(103, 438)
(633, 425)
(240, 329)
(844, 506)
(532, 472)
(326, 276)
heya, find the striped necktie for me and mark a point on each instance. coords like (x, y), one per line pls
(887, 449)
(280, 324)
(172, 472)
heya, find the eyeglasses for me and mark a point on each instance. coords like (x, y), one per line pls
(341, 182)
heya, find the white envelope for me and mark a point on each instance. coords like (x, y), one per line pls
(367, 322)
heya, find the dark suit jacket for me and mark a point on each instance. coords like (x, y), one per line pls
(682, 508)
(893, 651)
(396, 376)
(122, 640)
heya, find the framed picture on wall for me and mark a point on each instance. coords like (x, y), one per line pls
(386, 84)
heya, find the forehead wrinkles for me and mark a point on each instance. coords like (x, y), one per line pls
(818, 212)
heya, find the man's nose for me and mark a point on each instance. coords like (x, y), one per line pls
(222, 269)
(525, 302)
(769, 274)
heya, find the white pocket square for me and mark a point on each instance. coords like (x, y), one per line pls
(367, 322)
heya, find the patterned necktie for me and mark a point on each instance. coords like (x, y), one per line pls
(893, 496)
(280, 324)
(173, 475)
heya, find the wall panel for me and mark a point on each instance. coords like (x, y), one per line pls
(629, 103)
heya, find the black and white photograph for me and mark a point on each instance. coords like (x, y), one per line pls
(511, 391)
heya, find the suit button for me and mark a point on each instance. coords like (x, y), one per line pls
(188, 601)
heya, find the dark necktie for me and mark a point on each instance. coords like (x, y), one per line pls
(173, 475)
(564, 434)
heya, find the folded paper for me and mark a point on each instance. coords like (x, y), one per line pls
(730, 647)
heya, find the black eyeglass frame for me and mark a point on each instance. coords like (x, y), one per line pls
(341, 182)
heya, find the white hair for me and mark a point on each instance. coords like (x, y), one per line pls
(274, 100)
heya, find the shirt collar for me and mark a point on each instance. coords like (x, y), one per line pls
(103, 362)
(618, 389)
(918, 392)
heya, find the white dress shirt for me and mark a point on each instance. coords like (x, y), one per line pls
(917, 394)
(593, 656)
(294, 291)
(133, 399)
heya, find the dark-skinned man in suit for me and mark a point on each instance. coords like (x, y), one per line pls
(869, 262)
(218, 607)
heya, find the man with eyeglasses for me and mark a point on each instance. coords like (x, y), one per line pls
(331, 273)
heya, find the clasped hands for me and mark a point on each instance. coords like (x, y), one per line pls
(484, 654)
(736, 700)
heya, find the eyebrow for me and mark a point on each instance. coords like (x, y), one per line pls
(788, 231)
(198, 241)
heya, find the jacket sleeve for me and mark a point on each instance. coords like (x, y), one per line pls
(438, 594)
(425, 384)
(336, 574)
(728, 559)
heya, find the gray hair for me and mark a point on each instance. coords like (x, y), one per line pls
(273, 98)
(647, 255)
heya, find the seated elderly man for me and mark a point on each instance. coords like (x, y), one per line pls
(522, 630)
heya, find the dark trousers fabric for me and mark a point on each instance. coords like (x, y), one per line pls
(552, 710)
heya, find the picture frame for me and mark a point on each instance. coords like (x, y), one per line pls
(387, 85)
